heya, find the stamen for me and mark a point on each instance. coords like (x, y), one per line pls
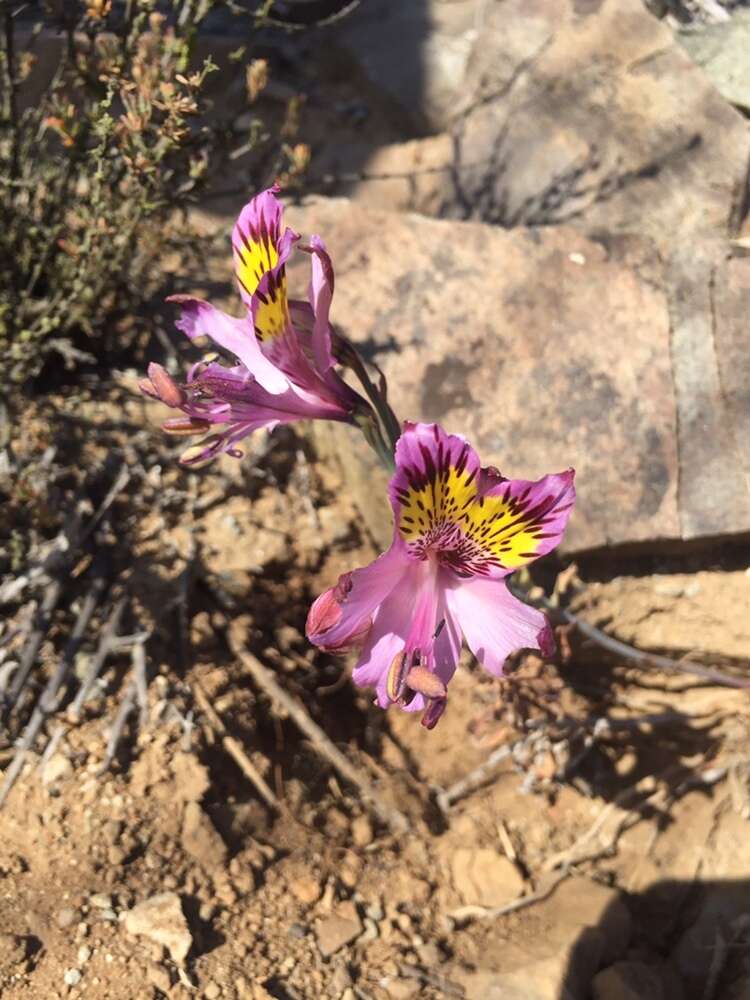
(166, 388)
(433, 712)
(396, 676)
(423, 681)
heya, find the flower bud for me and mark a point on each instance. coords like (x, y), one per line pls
(324, 614)
(165, 386)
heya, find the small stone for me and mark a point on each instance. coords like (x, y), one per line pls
(55, 770)
(116, 855)
(101, 901)
(362, 831)
(297, 931)
(306, 889)
(72, 977)
(160, 919)
(485, 877)
(212, 992)
(341, 928)
(84, 954)
(66, 917)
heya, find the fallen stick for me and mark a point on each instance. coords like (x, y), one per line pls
(31, 649)
(234, 749)
(266, 680)
(102, 652)
(466, 913)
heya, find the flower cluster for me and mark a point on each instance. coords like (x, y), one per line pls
(460, 529)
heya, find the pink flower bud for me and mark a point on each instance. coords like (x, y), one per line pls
(165, 386)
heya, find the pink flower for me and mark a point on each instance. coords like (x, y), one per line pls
(284, 366)
(459, 531)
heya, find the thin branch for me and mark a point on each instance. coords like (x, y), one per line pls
(266, 680)
(235, 749)
(102, 652)
(642, 658)
(464, 914)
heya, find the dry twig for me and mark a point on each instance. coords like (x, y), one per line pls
(235, 749)
(265, 679)
(466, 913)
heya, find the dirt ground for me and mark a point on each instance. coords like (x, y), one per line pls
(317, 898)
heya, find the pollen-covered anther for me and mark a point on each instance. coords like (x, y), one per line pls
(423, 681)
(396, 679)
(165, 387)
(185, 426)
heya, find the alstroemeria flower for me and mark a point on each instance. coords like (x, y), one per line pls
(459, 531)
(284, 367)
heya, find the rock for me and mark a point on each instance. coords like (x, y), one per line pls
(466, 314)
(402, 989)
(484, 877)
(628, 981)
(160, 919)
(200, 838)
(595, 114)
(306, 889)
(721, 52)
(415, 54)
(55, 770)
(66, 917)
(361, 831)
(212, 991)
(342, 927)
(72, 977)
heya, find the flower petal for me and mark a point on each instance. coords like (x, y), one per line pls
(361, 591)
(495, 623)
(321, 293)
(475, 522)
(200, 319)
(526, 519)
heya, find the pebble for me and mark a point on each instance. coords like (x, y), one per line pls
(66, 917)
(297, 931)
(339, 929)
(101, 901)
(362, 831)
(84, 954)
(212, 992)
(306, 889)
(160, 919)
(72, 977)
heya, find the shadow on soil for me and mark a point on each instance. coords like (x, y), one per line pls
(684, 940)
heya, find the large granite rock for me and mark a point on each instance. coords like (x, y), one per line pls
(549, 349)
(586, 112)
(721, 50)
